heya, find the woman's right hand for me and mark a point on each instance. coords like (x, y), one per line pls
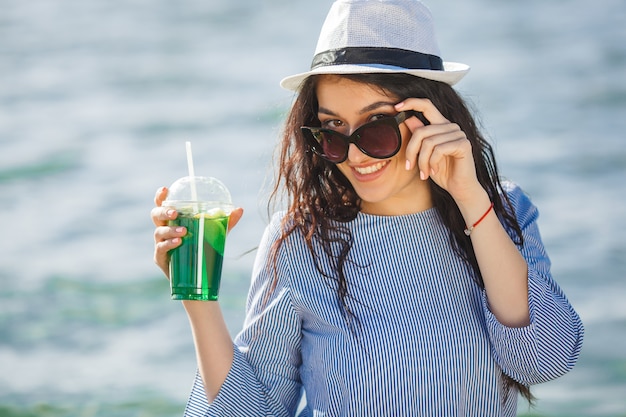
(167, 237)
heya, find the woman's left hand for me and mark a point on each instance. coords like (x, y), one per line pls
(440, 150)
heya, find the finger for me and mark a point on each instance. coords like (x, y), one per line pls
(163, 247)
(160, 196)
(415, 122)
(166, 238)
(234, 218)
(162, 215)
(424, 139)
(165, 233)
(424, 105)
(433, 148)
(162, 256)
(449, 152)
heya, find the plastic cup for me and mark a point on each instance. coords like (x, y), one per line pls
(204, 206)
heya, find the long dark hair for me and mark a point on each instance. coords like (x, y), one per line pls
(320, 198)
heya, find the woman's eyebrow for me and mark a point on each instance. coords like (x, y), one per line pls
(326, 111)
(376, 105)
(365, 109)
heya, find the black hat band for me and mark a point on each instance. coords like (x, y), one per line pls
(378, 56)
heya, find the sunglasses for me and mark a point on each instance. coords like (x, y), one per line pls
(380, 139)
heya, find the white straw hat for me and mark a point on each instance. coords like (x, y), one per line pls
(379, 36)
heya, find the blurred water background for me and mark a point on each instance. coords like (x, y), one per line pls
(98, 97)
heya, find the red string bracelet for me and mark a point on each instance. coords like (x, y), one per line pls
(468, 230)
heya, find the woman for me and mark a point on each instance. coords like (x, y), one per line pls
(404, 278)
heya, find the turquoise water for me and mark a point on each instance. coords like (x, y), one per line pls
(97, 99)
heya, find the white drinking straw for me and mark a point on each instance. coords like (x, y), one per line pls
(194, 192)
(194, 197)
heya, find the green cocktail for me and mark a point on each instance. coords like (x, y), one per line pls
(196, 265)
(203, 205)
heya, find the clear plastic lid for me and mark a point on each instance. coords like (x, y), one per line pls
(199, 194)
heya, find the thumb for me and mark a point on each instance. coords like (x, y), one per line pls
(234, 218)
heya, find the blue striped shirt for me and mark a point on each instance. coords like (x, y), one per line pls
(428, 344)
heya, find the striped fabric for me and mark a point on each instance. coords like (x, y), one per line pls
(428, 344)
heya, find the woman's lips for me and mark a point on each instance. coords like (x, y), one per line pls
(369, 171)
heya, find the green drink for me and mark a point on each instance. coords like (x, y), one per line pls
(203, 206)
(195, 269)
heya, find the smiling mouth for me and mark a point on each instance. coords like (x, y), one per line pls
(371, 168)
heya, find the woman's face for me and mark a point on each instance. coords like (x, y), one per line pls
(384, 185)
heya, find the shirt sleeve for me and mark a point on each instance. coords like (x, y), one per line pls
(264, 378)
(548, 347)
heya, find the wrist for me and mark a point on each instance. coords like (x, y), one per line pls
(475, 209)
(196, 307)
(473, 205)
(468, 229)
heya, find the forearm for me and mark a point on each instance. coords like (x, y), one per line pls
(503, 269)
(213, 344)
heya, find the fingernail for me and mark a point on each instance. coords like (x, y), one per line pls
(170, 213)
(422, 175)
(408, 165)
(399, 105)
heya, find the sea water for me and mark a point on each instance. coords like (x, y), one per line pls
(98, 97)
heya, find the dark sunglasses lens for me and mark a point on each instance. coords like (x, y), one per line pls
(331, 146)
(379, 140)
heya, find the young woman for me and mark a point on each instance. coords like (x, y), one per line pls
(404, 278)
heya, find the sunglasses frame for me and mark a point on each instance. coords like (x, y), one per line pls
(311, 134)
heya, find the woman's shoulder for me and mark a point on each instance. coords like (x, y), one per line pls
(511, 188)
(275, 240)
(521, 202)
(275, 226)
(280, 227)
(279, 222)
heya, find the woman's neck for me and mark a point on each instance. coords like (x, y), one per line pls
(413, 200)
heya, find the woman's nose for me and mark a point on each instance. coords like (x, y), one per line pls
(355, 154)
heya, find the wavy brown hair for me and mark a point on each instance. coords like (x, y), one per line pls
(320, 199)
